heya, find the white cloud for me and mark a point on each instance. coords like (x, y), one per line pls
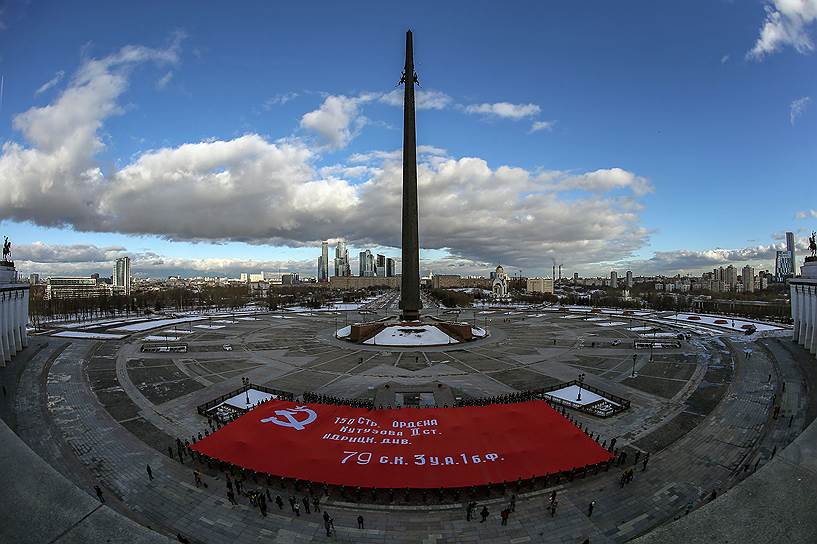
(423, 100)
(164, 80)
(787, 24)
(505, 110)
(541, 125)
(805, 214)
(279, 100)
(602, 181)
(798, 107)
(51, 82)
(337, 121)
(254, 190)
(724, 59)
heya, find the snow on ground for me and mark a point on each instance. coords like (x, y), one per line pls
(240, 400)
(177, 331)
(247, 318)
(345, 331)
(282, 316)
(572, 317)
(157, 338)
(479, 332)
(399, 335)
(739, 324)
(611, 323)
(209, 326)
(89, 335)
(640, 329)
(571, 392)
(228, 321)
(148, 325)
(597, 318)
(97, 323)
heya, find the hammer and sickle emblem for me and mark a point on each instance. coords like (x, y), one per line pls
(290, 419)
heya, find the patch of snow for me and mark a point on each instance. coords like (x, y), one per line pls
(157, 338)
(344, 332)
(148, 325)
(209, 326)
(571, 392)
(611, 323)
(640, 329)
(89, 335)
(412, 335)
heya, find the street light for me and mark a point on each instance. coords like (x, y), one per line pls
(581, 380)
(634, 358)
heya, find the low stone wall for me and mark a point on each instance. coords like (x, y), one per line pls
(776, 504)
(40, 505)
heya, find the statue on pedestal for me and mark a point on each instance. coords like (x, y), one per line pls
(6, 249)
(812, 244)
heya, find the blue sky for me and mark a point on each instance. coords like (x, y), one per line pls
(672, 137)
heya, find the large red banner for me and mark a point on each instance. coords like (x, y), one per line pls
(410, 447)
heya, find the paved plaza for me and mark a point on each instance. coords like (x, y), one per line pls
(99, 411)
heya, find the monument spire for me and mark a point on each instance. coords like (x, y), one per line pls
(410, 275)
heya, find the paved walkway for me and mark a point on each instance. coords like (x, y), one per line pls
(711, 455)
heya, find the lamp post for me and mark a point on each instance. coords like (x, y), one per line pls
(634, 358)
(581, 380)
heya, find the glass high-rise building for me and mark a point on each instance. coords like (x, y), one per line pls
(790, 249)
(121, 275)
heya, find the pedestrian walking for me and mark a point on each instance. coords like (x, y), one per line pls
(590, 508)
(238, 486)
(646, 460)
(279, 501)
(150, 472)
(292, 502)
(229, 483)
(637, 457)
(504, 515)
(170, 451)
(306, 504)
(182, 539)
(553, 496)
(360, 522)
(197, 478)
(269, 497)
(181, 456)
(513, 502)
(469, 510)
(713, 495)
(231, 497)
(99, 493)
(297, 508)
(316, 504)
(327, 526)
(484, 514)
(553, 506)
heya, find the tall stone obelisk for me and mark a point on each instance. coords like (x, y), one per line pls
(410, 280)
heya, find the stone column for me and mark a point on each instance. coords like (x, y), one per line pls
(811, 339)
(5, 326)
(795, 313)
(24, 311)
(805, 314)
(15, 320)
(2, 324)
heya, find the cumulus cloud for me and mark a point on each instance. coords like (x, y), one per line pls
(258, 191)
(694, 262)
(798, 107)
(787, 24)
(541, 125)
(337, 121)
(41, 252)
(724, 59)
(51, 82)
(806, 213)
(423, 99)
(504, 110)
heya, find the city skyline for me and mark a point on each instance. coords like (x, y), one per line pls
(515, 168)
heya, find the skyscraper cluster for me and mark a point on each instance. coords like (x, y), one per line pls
(371, 265)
